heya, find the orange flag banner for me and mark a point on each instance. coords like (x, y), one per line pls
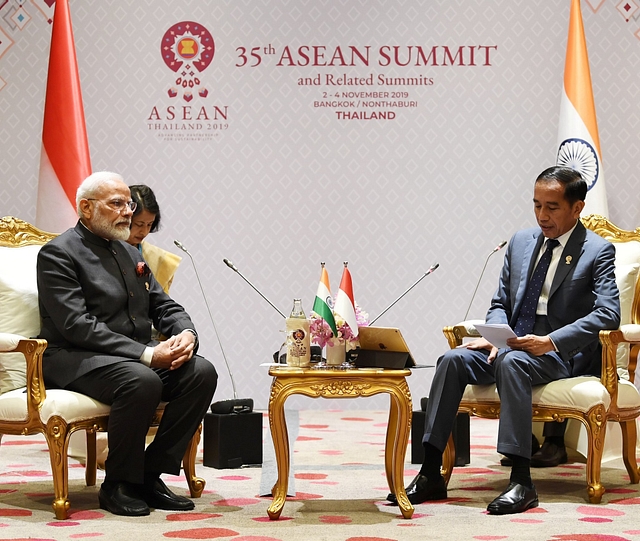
(64, 160)
(578, 139)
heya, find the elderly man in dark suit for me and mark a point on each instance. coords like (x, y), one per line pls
(98, 302)
(557, 290)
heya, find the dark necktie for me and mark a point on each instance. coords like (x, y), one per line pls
(527, 316)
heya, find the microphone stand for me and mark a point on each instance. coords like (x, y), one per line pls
(235, 269)
(237, 405)
(499, 247)
(431, 269)
(276, 357)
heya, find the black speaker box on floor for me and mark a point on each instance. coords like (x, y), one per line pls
(232, 440)
(461, 436)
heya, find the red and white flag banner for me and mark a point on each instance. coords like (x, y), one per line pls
(65, 160)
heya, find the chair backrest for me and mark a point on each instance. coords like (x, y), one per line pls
(627, 244)
(19, 313)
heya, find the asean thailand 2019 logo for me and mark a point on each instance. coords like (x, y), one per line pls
(187, 49)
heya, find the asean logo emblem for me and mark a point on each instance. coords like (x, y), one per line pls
(581, 156)
(187, 48)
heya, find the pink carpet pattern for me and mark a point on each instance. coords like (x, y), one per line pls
(341, 490)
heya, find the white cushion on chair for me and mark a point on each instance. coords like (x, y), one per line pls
(582, 393)
(9, 342)
(627, 252)
(20, 313)
(626, 278)
(72, 406)
(631, 332)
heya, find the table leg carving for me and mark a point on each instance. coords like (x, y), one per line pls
(400, 417)
(280, 437)
(348, 384)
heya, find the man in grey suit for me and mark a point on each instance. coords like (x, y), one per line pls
(557, 290)
(98, 302)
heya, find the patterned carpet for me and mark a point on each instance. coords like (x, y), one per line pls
(340, 491)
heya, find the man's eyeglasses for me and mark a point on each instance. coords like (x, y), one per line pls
(119, 205)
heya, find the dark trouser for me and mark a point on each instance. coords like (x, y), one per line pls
(513, 372)
(134, 391)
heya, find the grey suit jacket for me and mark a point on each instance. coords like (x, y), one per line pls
(97, 304)
(583, 300)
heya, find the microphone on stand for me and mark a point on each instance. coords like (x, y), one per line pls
(316, 351)
(235, 269)
(497, 248)
(237, 405)
(431, 269)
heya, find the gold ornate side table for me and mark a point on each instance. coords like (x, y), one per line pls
(350, 383)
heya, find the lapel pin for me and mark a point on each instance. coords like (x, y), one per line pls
(567, 260)
(146, 284)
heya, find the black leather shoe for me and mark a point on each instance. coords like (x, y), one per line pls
(535, 447)
(421, 490)
(516, 499)
(159, 496)
(121, 499)
(549, 456)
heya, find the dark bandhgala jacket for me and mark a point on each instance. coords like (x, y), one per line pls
(98, 301)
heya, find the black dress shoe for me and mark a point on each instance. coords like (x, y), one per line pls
(122, 499)
(516, 499)
(549, 456)
(159, 496)
(421, 490)
(535, 447)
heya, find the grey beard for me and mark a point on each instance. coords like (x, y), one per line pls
(103, 228)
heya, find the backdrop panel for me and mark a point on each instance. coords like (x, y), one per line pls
(279, 134)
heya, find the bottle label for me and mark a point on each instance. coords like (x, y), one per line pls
(298, 347)
(298, 342)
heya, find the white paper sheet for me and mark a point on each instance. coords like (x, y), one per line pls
(496, 333)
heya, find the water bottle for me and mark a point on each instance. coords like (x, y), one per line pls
(298, 338)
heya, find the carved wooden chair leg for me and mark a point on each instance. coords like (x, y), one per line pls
(92, 462)
(448, 459)
(629, 436)
(57, 437)
(196, 484)
(596, 429)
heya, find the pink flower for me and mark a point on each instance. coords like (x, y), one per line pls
(322, 334)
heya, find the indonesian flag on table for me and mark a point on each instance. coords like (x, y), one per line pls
(323, 302)
(578, 139)
(345, 305)
(64, 160)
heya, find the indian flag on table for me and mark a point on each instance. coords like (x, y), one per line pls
(345, 305)
(578, 139)
(322, 304)
(64, 158)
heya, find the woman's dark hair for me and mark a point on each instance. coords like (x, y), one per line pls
(146, 200)
(575, 188)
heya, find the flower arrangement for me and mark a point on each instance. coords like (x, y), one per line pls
(322, 334)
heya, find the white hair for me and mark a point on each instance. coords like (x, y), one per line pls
(92, 184)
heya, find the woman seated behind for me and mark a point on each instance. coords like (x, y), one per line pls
(145, 220)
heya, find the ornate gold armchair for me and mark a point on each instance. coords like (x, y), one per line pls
(590, 400)
(26, 407)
